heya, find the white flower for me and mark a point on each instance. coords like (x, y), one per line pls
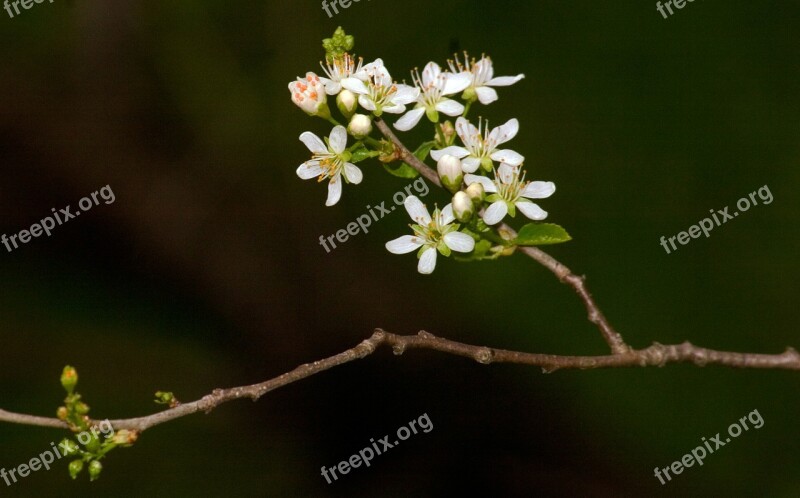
(482, 78)
(308, 93)
(342, 68)
(481, 148)
(511, 191)
(434, 86)
(329, 161)
(432, 234)
(378, 93)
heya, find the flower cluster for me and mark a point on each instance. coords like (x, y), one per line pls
(480, 202)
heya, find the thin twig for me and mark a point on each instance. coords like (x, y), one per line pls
(655, 355)
(564, 274)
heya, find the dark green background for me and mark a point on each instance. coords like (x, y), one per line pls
(206, 272)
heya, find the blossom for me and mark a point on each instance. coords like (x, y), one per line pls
(511, 191)
(329, 161)
(480, 148)
(434, 85)
(378, 93)
(342, 68)
(432, 234)
(482, 78)
(309, 94)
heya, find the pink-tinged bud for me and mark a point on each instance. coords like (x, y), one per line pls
(309, 94)
(449, 169)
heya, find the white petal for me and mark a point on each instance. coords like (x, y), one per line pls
(409, 119)
(504, 80)
(506, 173)
(486, 95)
(453, 150)
(394, 108)
(539, 190)
(495, 213)
(331, 87)
(531, 210)
(459, 242)
(508, 156)
(309, 169)
(353, 173)
(455, 83)
(430, 72)
(450, 107)
(338, 139)
(404, 244)
(466, 131)
(405, 94)
(427, 262)
(355, 85)
(366, 102)
(334, 190)
(488, 185)
(505, 132)
(470, 164)
(446, 215)
(313, 142)
(416, 209)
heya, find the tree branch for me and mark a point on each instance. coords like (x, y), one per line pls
(655, 355)
(564, 274)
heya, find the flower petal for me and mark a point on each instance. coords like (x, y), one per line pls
(353, 173)
(338, 139)
(453, 150)
(507, 173)
(450, 107)
(405, 94)
(446, 215)
(430, 72)
(504, 80)
(459, 242)
(531, 210)
(495, 213)
(470, 164)
(417, 210)
(410, 119)
(313, 142)
(355, 85)
(366, 102)
(309, 169)
(455, 83)
(467, 132)
(508, 156)
(505, 132)
(427, 262)
(488, 185)
(404, 244)
(486, 95)
(334, 190)
(394, 108)
(539, 190)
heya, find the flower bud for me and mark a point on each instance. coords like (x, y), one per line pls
(449, 131)
(75, 468)
(69, 379)
(309, 95)
(95, 467)
(347, 102)
(449, 168)
(463, 208)
(360, 126)
(67, 447)
(62, 413)
(125, 437)
(477, 193)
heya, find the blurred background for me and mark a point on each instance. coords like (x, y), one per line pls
(207, 270)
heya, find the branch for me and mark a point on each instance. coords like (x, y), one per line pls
(655, 355)
(564, 274)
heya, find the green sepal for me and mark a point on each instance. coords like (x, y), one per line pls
(443, 250)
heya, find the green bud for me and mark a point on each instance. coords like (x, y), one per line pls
(75, 468)
(95, 467)
(449, 132)
(125, 437)
(81, 408)
(463, 209)
(62, 413)
(69, 379)
(67, 447)
(164, 397)
(337, 45)
(449, 169)
(477, 193)
(347, 102)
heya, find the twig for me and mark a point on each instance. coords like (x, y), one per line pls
(564, 274)
(655, 355)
